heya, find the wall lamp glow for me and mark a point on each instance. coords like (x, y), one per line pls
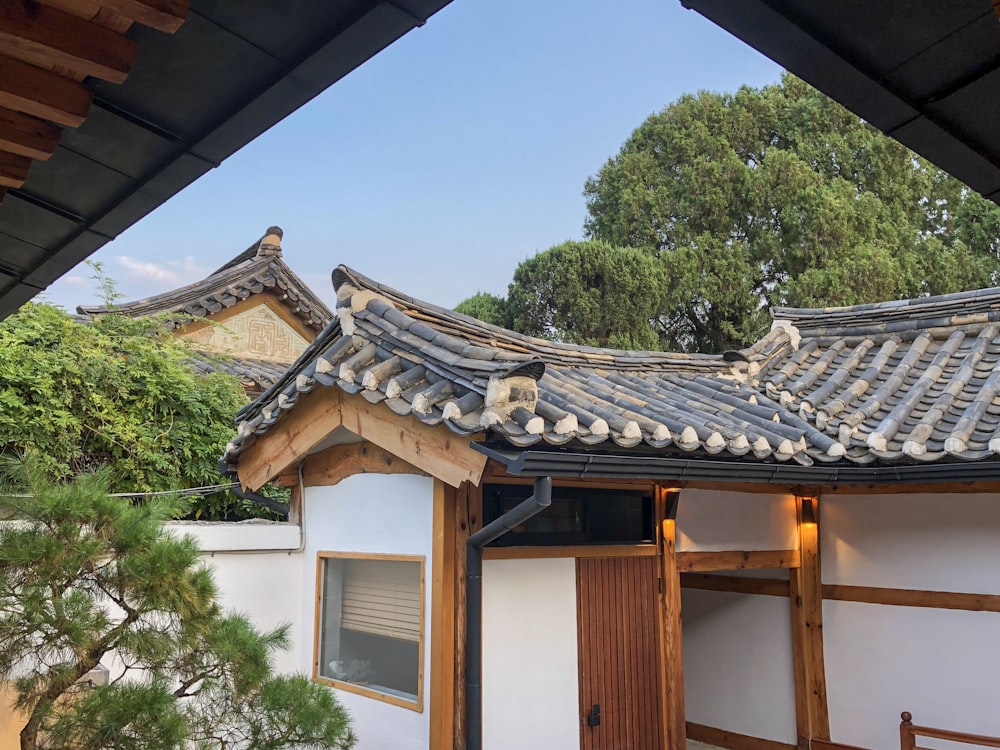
(809, 511)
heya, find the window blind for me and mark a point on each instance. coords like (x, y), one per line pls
(382, 597)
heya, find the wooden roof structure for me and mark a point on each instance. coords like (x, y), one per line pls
(110, 107)
(926, 73)
(898, 383)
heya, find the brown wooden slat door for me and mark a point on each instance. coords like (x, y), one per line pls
(619, 649)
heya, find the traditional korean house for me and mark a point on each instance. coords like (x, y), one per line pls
(517, 543)
(251, 318)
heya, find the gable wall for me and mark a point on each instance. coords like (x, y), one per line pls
(259, 327)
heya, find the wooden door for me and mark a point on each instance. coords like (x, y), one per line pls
(619, 654)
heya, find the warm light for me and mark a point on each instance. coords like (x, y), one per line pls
(809, 511)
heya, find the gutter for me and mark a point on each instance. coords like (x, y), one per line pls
(582, 465)
(539, 501)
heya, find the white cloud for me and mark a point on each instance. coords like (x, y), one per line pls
(184, 270)
(147, 271)
(76, 280)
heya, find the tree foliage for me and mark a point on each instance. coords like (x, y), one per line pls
(85, 577)
(771, 196)
(588, 293)
(488, 308)
(117, 392)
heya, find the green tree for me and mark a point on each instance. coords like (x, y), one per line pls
(589, 293)
(780, 196)
(486, 307)
(117, 392)
(85, 577)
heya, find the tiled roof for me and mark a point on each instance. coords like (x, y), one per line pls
(256, 375)
(257, 268)
(900, 381)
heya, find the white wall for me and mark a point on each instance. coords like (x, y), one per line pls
(530, 684)
(710, 520)
(258, 570)
(372, 513)
(738, 663)
(738, 647)
(940, 665)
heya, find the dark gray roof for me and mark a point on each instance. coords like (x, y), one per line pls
(255, 375)
(904, 381)
(258, 268)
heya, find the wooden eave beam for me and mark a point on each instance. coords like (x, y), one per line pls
(41, 93)
(163, 15)
(49, 37)
(434, 450)
(334, 464)
(25, 135)
(693, 562)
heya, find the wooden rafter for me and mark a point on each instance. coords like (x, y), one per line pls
(49, 37)
(26, 135)
(13, 169)
(41, 93)
(163, 15)
(47, 50)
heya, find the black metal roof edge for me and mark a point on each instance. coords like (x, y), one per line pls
(596, 465)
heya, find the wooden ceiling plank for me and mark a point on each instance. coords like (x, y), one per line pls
(162, 15)
(41, 93)
(26, 135)
(13, 169)
(46, 36)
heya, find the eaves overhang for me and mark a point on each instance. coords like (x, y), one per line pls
(925, 72)
(609, 465)
(191, 99)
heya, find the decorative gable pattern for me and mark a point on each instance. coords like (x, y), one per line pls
(258, 333)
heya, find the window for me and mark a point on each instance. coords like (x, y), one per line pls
(576, 516)
(370, 623)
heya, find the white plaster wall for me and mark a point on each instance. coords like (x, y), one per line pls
(711, 520)
(258, 571)
(940, 665)
(530, 670)
(372, 513)
(738, 663)
(936, 542)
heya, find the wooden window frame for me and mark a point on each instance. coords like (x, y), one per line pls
(321, 557)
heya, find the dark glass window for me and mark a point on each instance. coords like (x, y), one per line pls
(576, 516)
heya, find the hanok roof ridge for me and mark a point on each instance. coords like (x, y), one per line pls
(977, 306)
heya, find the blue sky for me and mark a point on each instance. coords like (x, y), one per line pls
(447, 159)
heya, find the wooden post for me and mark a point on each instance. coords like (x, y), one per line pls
(812, 718)
(671, 646)
(907, 740)
(442, 698)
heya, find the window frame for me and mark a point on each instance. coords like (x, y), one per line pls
(350, 687)
(492, 509)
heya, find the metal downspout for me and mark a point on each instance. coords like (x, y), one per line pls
(538, 502)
